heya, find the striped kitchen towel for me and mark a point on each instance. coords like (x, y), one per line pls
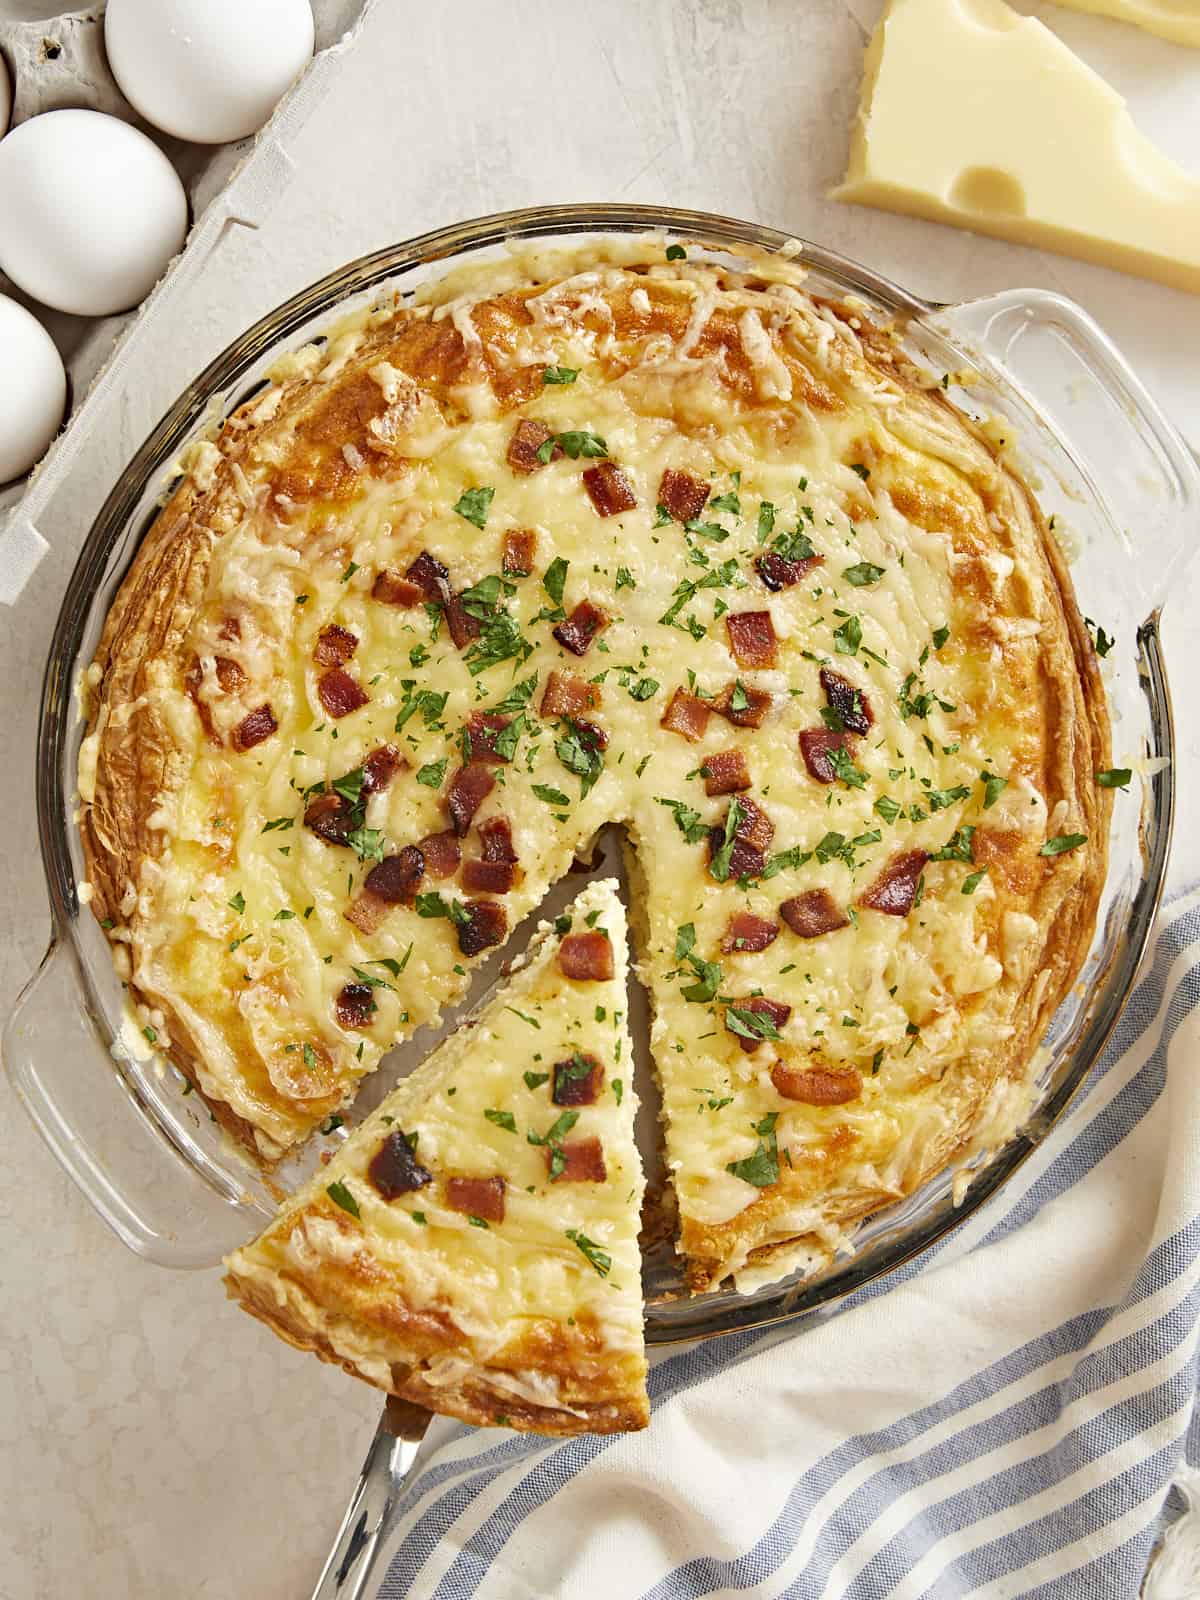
(1006, 1418)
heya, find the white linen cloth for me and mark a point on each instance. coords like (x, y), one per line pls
(1003, 1419)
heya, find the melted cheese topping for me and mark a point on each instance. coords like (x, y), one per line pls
(470, 1110)
(933, 596)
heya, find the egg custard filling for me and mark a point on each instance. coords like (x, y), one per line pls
(616, 536)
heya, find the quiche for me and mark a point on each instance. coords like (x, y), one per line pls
(622, 535)
(473, 1246)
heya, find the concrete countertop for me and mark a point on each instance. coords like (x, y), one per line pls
(155, 1440)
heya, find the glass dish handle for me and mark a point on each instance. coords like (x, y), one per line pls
(129, 1171)
(1070, 375)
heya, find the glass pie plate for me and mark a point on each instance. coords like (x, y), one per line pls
(1125, 493)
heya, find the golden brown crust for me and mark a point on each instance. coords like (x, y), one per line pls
(477, 1399)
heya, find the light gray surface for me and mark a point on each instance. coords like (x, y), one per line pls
(155, 1440)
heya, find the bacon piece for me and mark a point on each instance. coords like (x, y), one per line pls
(433, 579)
(486, 925)
(256, 726)
(586, 957)
(520, 544)
(817, 746)
(684, 496)
(687, 714)
(752, 714)
(583, 1161)
(752, 638)
(339, 693)
(483, 727)
(355, 1006)
(442, 854)
(330, 817)
(396, 878)
(477, 1197)
(751, 837)
(528, 438)
(591, 734)
(754, 825)
(849, 703)
(380, 767)
(488, 877)
(895, 889)
(747, 934)
(580, 628)
(367, 911)
(761, 1006)
(609, 490)
(577, 1081)
(394, 1168)
(462, 625)
(430, 576)
(393, 590)
(777, 573)
(812, 913)
(725, 772)
(495, 871)
(334, 646)
(817, 1086)
(565, 695)
(469, 788)
(230, 676)
(193, 679)
(230, 628)
(495, 835)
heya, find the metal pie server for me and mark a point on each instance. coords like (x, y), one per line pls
(368, 1519)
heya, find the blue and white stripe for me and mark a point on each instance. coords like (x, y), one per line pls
(1023, 1397)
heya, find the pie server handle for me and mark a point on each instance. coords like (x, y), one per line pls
(362, 1535)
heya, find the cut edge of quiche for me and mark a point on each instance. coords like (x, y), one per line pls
(473, 1246)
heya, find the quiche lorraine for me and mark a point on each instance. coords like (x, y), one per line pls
(624, 535)
(473, 1247)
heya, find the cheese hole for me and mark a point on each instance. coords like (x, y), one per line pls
(989, 192)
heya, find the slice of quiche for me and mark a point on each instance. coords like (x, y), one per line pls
(473, 1247)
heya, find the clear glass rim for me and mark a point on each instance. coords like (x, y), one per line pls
(671, 1322)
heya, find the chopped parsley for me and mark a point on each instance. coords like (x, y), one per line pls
(762, 1168)
(599, 1259)
(474, 505)
(993, 788)
(720, 865)
(749, 1024)
(433, 905)
(580, 755)
(1114, 778)
(433, 773)
(863, 573)
(847, 637)
(554, 579)
(559, 375)
(502, 1119)
(1061, 843)
(341, 1196)
(581, 442)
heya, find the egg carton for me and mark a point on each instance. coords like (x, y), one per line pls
(56, 59)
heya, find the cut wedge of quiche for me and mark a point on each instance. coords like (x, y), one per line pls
(473, 1247)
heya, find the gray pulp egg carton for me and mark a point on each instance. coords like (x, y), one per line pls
(56, 59)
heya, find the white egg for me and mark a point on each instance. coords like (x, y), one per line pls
(5, 98)
(91, 212)
(33, 390)
(207, 70)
